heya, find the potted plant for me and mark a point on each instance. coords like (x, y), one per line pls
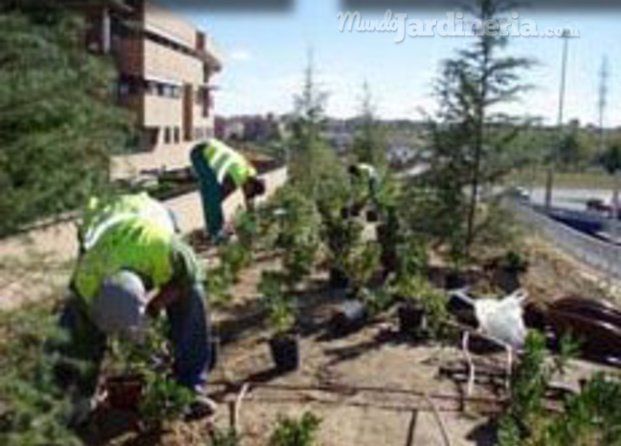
(129, 365)
(508, 270)
(411, 312)
(340, 237)
(359, 265)
(284, 343)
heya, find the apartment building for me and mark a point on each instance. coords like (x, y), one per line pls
(165, 73)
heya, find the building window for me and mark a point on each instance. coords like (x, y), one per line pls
(154, 134)
(177, 134)
(167, 135)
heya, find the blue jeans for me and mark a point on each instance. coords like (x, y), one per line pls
(86, 344)
(210, 190)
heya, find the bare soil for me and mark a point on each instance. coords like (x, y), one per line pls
(371, 387)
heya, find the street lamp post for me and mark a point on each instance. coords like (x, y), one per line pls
(561, 106)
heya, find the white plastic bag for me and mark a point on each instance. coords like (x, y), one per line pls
(502, 319)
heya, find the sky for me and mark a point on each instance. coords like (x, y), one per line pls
(264, 55)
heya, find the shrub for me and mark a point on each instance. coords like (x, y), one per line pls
(411, 257)
(514, 261)
(417, 288)
(234, 257)
(360, 263)
(281, 315)
(162, 398)
(592, 417)
(218, 282)
(298, 233)
(225, 437)
(247, 229)
(33, 409)
(296, 432)
(377, 300)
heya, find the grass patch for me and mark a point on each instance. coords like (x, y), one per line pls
(570, 180)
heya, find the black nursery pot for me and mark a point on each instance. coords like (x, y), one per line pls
(411, 316)
(372, 216)
(285, 349)
(124, 392)
(338, 279)
(507, 279)
(455, 281)
(348, 317)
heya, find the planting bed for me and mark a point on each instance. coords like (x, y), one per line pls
(368, 387)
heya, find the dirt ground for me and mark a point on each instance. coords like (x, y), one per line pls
(371, 387)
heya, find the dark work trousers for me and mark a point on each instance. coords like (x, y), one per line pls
(211, 192)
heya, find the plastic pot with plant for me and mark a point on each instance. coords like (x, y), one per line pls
(340, 236)
(508, 270)
(409, 290)
(284, 342)
(360, 264)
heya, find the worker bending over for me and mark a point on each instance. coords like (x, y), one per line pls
(132, 266)
(220, 171)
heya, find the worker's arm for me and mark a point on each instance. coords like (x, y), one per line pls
(187, 273)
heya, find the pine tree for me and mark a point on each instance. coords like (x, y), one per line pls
(471, 136)
(369, 144)
(311, 158)
(58, 123)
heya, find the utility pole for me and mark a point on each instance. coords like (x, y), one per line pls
(603, 102)
(561, 106)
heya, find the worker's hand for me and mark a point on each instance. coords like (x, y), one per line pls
(165, 297)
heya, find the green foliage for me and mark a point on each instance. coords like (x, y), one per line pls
(376, 300)
(296, 432)
(436, 314)
(412, 257)
(58, 122)
(218, 282)
(281, 314)
(298, 233)
(590, 418)
(246, 229)
(311, 159)
(340, 236)
(225, 437)
(360, 263)
(418, 289)
(234, 257)
(573, 151)
(529, 380)
(514, 261)
(163, 399)
(611, 158)
(33, 409)
(369, 144)
(469, 137)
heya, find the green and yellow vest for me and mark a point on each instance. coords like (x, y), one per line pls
(127, 241)
(226, 161)
(98, 212)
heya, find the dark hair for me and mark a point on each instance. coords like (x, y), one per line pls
(254, 187)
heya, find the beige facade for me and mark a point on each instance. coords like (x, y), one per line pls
(165, 68)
